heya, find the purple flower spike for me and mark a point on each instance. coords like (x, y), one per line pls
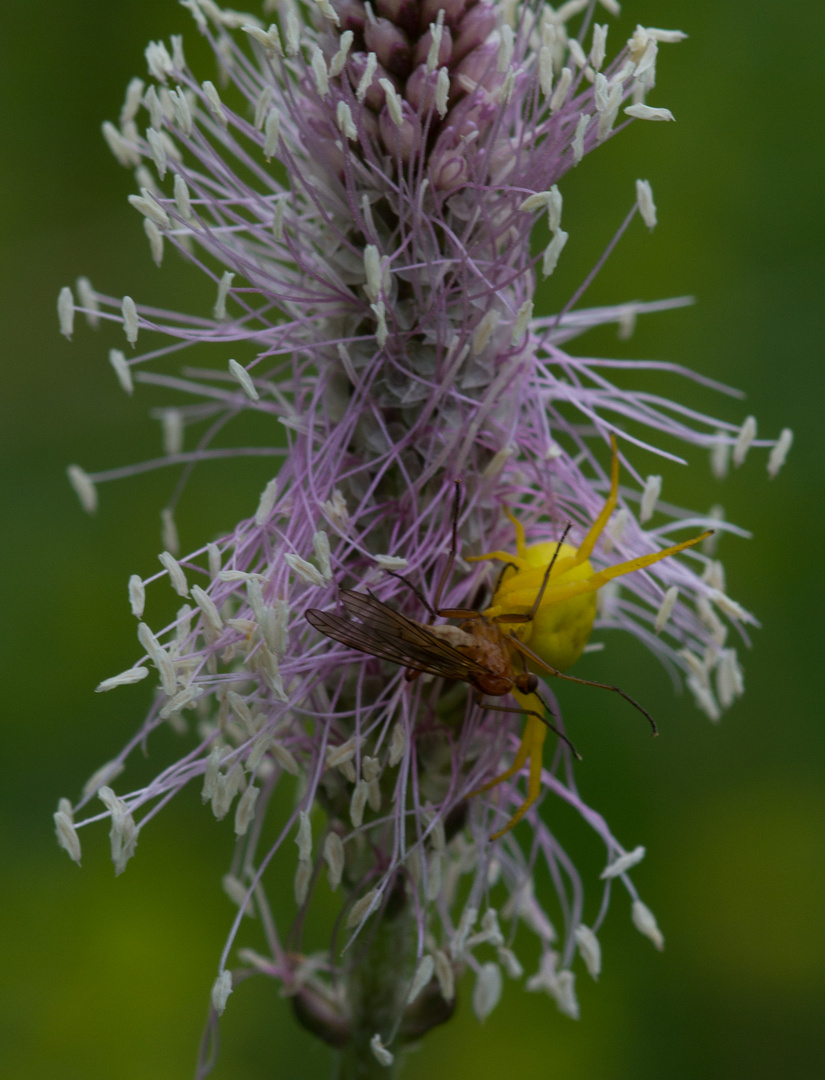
(362, 192)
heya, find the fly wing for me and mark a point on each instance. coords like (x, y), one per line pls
(389, 635)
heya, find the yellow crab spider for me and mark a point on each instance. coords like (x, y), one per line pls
(547, 595)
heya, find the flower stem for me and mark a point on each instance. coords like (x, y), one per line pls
(378, 980)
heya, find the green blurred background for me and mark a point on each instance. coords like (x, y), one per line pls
(105, 978)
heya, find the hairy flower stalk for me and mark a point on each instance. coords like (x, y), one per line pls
(362, 192)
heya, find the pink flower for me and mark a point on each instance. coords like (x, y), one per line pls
(362, 193)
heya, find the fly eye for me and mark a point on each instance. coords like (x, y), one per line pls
(532, 683)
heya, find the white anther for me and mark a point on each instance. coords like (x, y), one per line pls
(565, 994)
(372, 272)
(522, 321)
(487, 990)
(266, 503)
(627, 324)
(157, 150)
(444, 974)
(84, 487)
(504, 56)
(644, 199)
(337, 63)
(184, 699)
(67, 836)
(391, 562)
(553, 251)
(398, 744)
(172, 428)
(381, 331)
(177, 578)
(128, 311)
(224, 285)
(442, 92)
(212, 770)
(577, 145)
(346, 125)
(463, 930)
(703, 697)
(497, 462)
(607, 117)
(328, 11)
(245, 810)
(88, 300)
(562, 86)
(730, 683)
(368, 75)
(169, 531)
(278, 220)
(510, 962)
(132, 101)
(505, 91)
(124, 151)
(645, 922)
(221, 990)
(153, 105)
(65, 312)
(779, 452)
(237, 893)
(484, 331)
(123, 833)
(393, 102)
(213, 555)
(358, 803)
(145, 204)
(381, 1054)
(436, 34)
(647, 112)
(304, 836)
(208, 607)
(577, 53)
(747, 433)
(160, 658)
(159, 61)
(284, 758)
(720, 456)
(292, 31)
(305, 570)
(730, 607)
(183, 200)
(546, 71)
(598, 50)
(589, 949)
(334, 858)
(623, 863)
(155, 238)
(272, 132)
(244, 379)
(338, 755)
(319, 72)
(262, 105)
(125, 678)
(104, 775)
(363, 908)
(269, 40)
(666, 609)
(213, 100)
(423, 974)
(182, 111)
(650, 496)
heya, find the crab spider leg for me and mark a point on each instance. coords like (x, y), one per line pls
(597, 528)
(532, 744)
